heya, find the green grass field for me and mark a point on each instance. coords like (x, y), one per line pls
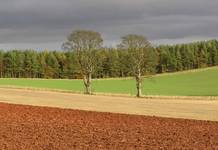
(203, 82)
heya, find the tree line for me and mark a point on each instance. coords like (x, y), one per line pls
(85, 58)
(112, 62)
(187, 56)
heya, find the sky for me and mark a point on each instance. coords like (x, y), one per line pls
(45, 24)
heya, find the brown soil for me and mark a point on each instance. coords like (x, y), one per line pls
(28, 127)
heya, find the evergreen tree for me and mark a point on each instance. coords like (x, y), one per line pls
(111, 62)
(1, 63)
(52, 66)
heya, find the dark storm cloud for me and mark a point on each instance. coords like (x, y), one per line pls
(41, 24)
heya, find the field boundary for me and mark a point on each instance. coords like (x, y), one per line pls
(131, 77)
(114, 95)
(185, 71)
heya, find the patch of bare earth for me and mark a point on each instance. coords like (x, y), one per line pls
(28, 127)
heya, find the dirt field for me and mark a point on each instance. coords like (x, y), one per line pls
(173, 108)
(27, 127)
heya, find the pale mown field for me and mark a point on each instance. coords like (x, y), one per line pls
(173, 108)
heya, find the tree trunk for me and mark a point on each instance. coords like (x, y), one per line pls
(87, 82)
(139, 85)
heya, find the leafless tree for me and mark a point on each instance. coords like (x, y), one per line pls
(85, 44)
(138, 48)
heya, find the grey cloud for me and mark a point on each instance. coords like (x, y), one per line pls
(26, 23)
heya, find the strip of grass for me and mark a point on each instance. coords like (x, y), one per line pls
(199, 83)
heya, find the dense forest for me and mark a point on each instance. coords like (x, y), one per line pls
(112, 62)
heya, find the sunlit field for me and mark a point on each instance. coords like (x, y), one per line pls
(203, 82)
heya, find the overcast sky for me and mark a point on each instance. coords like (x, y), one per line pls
(41, 24)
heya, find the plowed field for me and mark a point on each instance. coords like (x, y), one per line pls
(29, 127)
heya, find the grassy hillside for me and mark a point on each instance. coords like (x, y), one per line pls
(203, 82)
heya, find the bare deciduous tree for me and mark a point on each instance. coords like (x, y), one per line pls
(85, 44)
(138, 48)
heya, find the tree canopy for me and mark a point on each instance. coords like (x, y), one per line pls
(113, 62)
